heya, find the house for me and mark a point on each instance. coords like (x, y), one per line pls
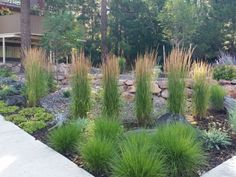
(10, 35)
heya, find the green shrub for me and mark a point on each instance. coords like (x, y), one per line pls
(81, 88)
(122, 64)
(5, 110)
(138, 159)
(107, 128)
(66, 93)
(143, 80)
(225, 72)
(4, 72)
(35, 74)
(182, 151)
(65, 138)
(177, 65)
(232, 117)
(97, 154)
(215, 139)
(217, 94)
(201, 88)
(111, 95)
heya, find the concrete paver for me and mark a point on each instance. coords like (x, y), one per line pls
(23, 156)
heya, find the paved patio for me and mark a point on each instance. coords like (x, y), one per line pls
(23, 156)
(226, 169)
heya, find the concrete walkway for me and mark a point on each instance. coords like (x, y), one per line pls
(226, 169)
(23, 156)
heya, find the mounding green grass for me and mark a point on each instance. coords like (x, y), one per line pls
(182, 151)
(137, 158)
(217, 94)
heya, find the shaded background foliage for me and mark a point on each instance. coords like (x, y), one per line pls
(140, 25)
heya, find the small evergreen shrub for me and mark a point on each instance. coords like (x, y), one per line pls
(97, 154)
(224, 72)
(66, 94)
(111, 95)
(35, 74)
(65, 138)
(122, 64)
(108, 128)
(81, 88)
(201, 89)
(215, 139)
(137, 158)
(144, 68)
(177, 66)
(183, 153)
(217, 94)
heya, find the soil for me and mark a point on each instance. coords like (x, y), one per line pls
(218, 120)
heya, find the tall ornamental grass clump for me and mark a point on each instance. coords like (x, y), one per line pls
(182, 151)
(81, 88)
(111, 95)
(143, 79)
(137, 158)
(177, 66)
(217, 94)
(35, 65)
(201, 88)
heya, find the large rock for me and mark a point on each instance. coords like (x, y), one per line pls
(16, 100)
(170, 118)
(162, 83)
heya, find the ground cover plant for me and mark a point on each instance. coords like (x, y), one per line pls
(215, 138)
(177, 66)
(4, 72)
(6, 110)
(30, 119)
(111, 95)
(35, 64)
(144, 69)
(201, 89)
(81, 88)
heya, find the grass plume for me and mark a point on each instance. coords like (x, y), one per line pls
(143, 77)
(111, 95)
(35, 64)
(177, 66)
(81, 88)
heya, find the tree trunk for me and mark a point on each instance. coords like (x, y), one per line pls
(104, 20)
(25, 24)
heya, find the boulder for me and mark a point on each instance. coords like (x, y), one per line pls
(16, 100)
(224, 82)
(129, 82)
(233, 82)
(170, 118)
(128, 96)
